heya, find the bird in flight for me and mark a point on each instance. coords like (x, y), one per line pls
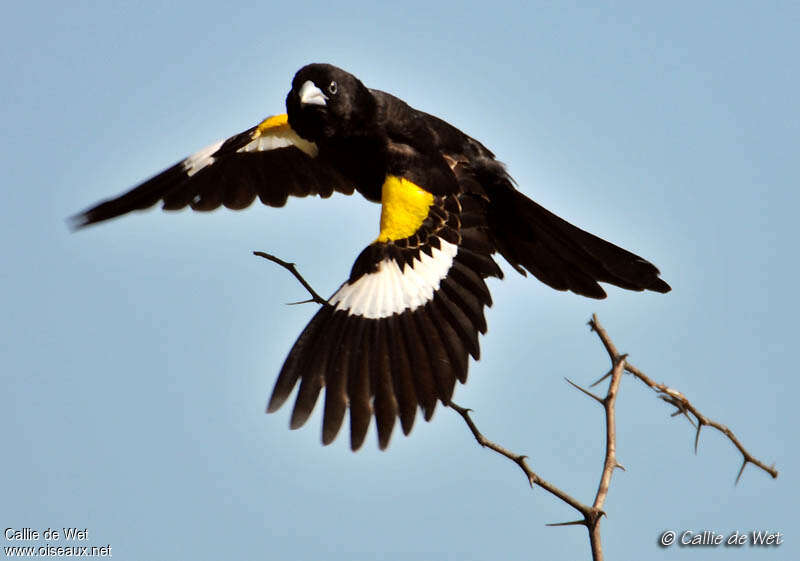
(399, 331)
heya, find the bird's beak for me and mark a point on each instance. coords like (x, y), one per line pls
(311, 94)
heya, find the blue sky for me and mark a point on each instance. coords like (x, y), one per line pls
(137, 356)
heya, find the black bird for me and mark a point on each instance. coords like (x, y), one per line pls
(398, 333)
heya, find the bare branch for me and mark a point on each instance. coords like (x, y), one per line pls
(522, 461)
(591, 514)
(595, 326)
(610, 462)
(685, 407)
(620, 364)
(611, 433)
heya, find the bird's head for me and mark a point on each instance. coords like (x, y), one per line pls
(326, 102)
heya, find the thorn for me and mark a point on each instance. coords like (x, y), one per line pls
(573, 523)
(309, 301)
(675, 393)
(697, 438)
(741, 470)
(590, 394)
(620, 466)
(606, 375)
(680, 407)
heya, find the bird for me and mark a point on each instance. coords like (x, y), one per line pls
(399, 332)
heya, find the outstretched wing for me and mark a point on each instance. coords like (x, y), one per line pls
(269, 161)
(399, 332)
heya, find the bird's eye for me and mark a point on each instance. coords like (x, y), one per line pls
(333, 88)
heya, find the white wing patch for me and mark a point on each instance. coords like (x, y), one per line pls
(280, 137)
(390, 290)
(201, 159)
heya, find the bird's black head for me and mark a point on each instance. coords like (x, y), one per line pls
(326, 102)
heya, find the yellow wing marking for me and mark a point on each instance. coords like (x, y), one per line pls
(404, 208)
(275, 132)
(274, 122)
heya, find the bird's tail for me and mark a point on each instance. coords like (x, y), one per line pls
(561, 255)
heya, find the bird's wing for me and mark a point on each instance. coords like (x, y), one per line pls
(399, 332)
(269, 161)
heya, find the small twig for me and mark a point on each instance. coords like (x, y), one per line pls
(292, 269)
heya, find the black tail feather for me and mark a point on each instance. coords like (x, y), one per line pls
(559, 254)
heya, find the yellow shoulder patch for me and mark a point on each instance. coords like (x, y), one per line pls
(404, 207)
(274, 122)
(275, 132)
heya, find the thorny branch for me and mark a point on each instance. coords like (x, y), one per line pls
(683, 406)
(591, 514)
(620, 364)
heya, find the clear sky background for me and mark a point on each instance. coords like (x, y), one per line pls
(136, 357)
